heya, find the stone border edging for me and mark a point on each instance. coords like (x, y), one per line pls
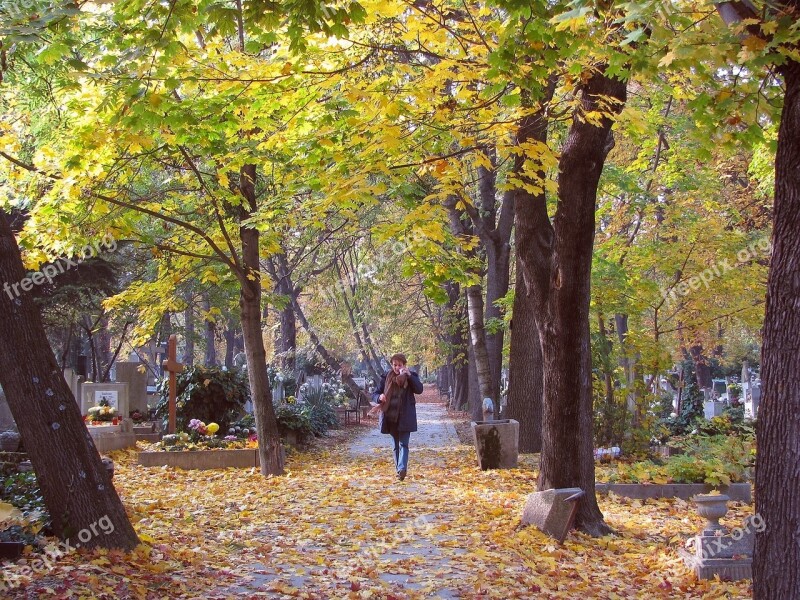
(739, 492)
(240, 458)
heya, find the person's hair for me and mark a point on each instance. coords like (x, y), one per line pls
(400, 357)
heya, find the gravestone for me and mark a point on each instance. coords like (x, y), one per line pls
(115, 393)
(712, 409)
(752, 401)
(496, 443)
(128, 372)
(552, 511)
(74, 383)
(277, 392)
(7, 422)
(173, 367)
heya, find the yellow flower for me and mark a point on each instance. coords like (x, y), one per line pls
(212, 428)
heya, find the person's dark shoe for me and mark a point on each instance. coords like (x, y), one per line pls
(401, 475)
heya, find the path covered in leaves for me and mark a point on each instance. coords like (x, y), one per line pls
(340, 525)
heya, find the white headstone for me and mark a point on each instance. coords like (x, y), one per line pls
(115, 393)
(74, 383)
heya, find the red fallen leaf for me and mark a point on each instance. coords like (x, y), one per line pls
(355, 586)
(665, 585)
(535, 588)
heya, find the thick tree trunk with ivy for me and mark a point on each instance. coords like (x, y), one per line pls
(776, 563)
(84, 506)
(269, 441)
(557, 262)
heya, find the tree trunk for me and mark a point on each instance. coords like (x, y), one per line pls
(701, 367)
(473, 388)
(104, 353)
(525, 382)
(83, 504)
(630, 367)
(210, 330)
(269, 441)
(456, 319)
(188, 319)
(609, 403)
(557, 261)
(478, 339)
(287, 333)
(498, 256)
(230, 343)
(354, 324)
(481, 387)
(776, 563)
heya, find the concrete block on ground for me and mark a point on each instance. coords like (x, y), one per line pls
(202, 459)
(552, 511)
(496, 443)
(740, 492)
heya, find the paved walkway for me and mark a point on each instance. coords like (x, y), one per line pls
(411, 551)
(434, 433)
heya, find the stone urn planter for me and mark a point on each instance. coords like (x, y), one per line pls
(712, 507)
(496, 443)
(9, 441)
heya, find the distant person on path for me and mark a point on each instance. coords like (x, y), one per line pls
(394, 398)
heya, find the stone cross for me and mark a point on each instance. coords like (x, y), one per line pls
(173, 367)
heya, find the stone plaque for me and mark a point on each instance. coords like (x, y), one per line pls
(552, 511)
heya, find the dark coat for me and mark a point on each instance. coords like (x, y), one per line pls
(408, 406)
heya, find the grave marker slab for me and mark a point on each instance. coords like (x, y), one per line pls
(115, 393)
(128, 372)
(552, 511)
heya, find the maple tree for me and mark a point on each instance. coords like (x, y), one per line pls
(250, 141)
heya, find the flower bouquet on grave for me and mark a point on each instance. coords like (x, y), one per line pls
(138, 417)
(103, 412)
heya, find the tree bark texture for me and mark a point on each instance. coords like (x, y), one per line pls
(702, 368)
(188, 319)
(210, 358)
(480, 371)
(776, 563)
(83, 504)
(269, 441)
(493, 228)
(557, 261)
(477, 333)
(525, 376)
(630, 366)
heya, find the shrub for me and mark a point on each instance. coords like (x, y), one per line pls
(293, 416)
(208, 394)
(22, 490)
(716, 460)
(322, 415)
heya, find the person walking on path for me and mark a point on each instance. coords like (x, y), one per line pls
(394, 397)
